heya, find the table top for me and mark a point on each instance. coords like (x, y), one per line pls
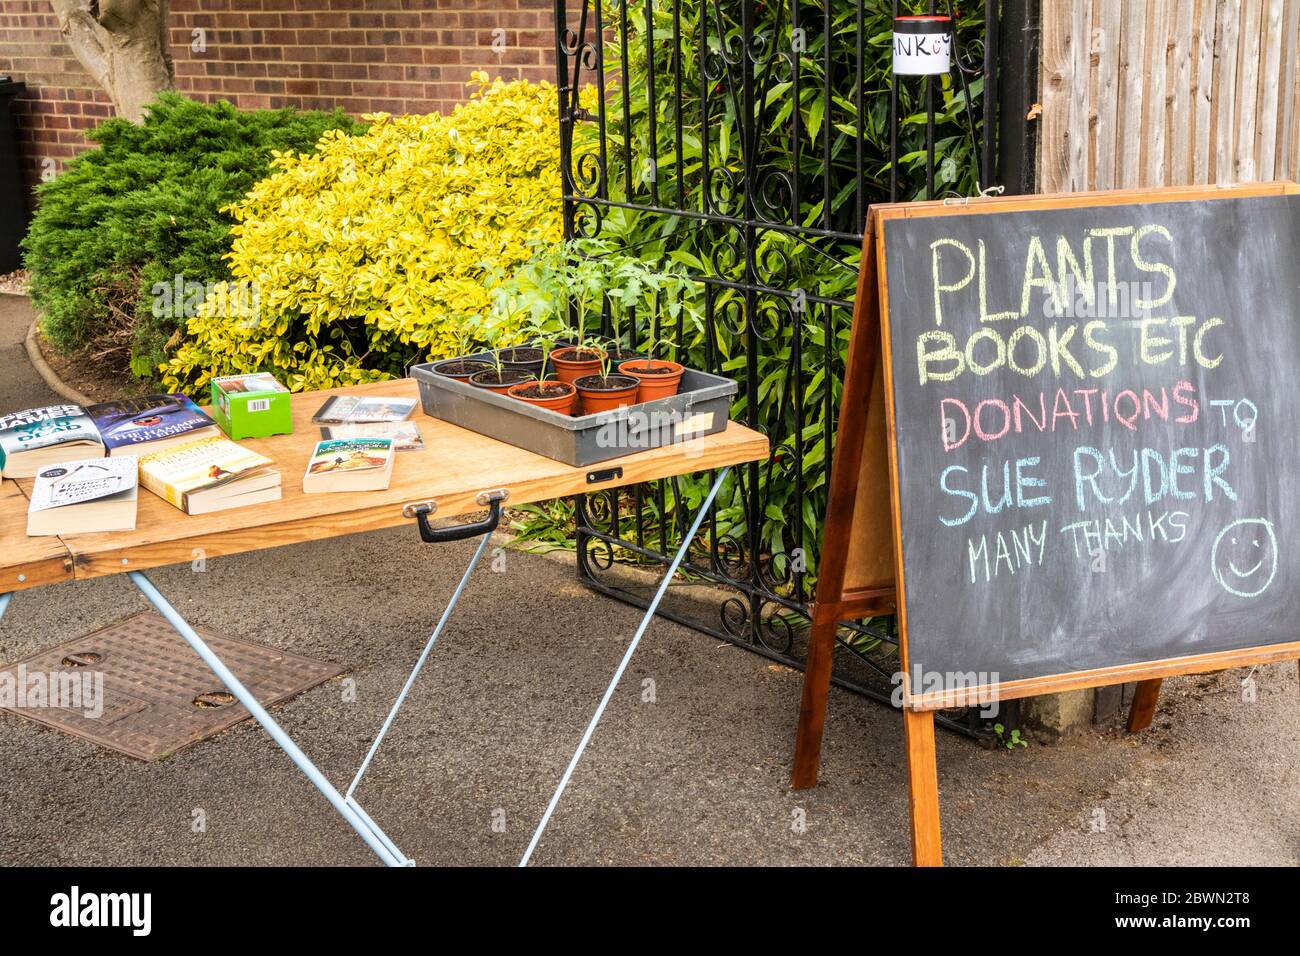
(455, 466)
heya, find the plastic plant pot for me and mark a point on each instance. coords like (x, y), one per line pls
(527, 357)
(572, 363)
(659, 378)
(461, 369)
(557, 396)
(601, 393)
(495, 381)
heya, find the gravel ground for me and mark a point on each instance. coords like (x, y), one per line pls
(696, 776)
(14, 283)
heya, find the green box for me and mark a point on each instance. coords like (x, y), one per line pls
(251, 406)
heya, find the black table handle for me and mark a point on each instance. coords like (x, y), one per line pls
(460, 532)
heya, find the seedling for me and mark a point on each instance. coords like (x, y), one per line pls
(1010, 741)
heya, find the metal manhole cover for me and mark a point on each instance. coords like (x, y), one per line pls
(138, 688)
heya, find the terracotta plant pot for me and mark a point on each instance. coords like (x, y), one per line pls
(573, 363)
(600, 393)
(495, 381)
(557, 396)
(461, 369)
(527, 357)
(659, 378)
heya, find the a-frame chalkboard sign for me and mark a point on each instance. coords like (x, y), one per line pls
(1068, 452)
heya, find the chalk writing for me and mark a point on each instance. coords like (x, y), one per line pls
(1092, 411)
(1098, 377)
(1006, 552)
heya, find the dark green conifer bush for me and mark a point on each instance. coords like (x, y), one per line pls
(144, 207)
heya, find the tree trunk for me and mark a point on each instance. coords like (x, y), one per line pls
(123, 45)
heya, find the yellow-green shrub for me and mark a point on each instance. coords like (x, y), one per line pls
(373, 251)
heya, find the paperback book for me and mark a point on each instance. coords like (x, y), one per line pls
(354, 409)
(139, 426)
(405, 435)
(81, 497)
(32, 439)
(350, 464)
(209, 474)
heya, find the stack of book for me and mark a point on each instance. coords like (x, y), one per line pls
(209, 474)
(350, 464)
(38, 437)
(89, 463)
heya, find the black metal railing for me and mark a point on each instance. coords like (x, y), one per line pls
(744, 141)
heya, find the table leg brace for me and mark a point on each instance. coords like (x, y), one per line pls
(346, 805)
(359, 821)
(622, 666)
(419, 665)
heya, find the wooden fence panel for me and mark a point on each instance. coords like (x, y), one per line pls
(1168, 92)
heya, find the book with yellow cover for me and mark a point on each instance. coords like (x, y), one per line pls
(209, 474)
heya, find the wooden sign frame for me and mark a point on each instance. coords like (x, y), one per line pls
(861, 564)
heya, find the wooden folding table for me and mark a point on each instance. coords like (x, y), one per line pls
(458, 472)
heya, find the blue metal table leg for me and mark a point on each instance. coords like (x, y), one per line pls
(4, 603)
(622, 666)
(373, 836)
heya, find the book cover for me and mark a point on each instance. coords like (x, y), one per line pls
(83, 497)
(44, 428)
(77, 482)
(180, 471)
(137, 421)
(355, 409)
(405, 435)
(349, 456)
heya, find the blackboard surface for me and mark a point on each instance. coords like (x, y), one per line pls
(1097, 434)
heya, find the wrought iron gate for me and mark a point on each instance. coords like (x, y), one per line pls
(744, 139)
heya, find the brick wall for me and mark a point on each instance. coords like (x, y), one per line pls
(363, 55)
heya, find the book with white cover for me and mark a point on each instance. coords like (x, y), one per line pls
(81, 497)
(405, 435)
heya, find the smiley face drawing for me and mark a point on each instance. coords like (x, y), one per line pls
(1244, 557)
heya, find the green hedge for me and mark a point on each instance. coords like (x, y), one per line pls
(145, 207)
